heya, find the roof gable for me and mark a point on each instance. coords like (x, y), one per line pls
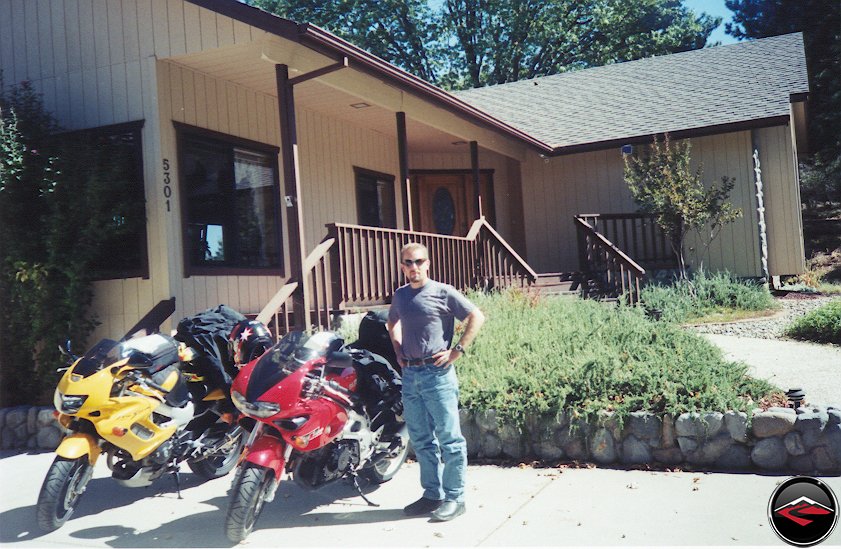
(730, 84)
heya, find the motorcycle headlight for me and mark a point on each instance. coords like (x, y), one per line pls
(254, 409)
(68, 404)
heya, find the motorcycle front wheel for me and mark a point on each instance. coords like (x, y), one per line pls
(247, 498)
(217, 466)
(63, 486)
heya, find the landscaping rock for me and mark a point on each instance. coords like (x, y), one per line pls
(668, 456)
(48, 438)
(575, 448)
(491, 446)
(15, 417)
(487, 421)
(603, 447)
(734, 457)
(687, 444)
(547, 451)
(773, 424)
(737, 425)
(769, 453)
(834, 416)
(824, 462)
(689, 425)
(645, 427)
(513, 443)
(711, 450)
(801, 464)
(669, 436)
(635, 451)
(811, 424)
(46, 417)
(472, 435)
(32, 420)
(794, 444)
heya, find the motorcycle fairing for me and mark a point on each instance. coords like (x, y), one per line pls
(76, 445)
(267, 451)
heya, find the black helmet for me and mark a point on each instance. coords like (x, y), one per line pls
(248, 340)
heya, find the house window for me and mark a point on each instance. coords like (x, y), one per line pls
(114, 154)
(230, 204)
(375, 199)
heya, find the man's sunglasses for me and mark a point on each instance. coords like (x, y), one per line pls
(415, 262)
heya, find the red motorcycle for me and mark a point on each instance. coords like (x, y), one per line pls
(323, 412)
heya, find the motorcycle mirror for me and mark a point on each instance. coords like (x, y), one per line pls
(65, 349)
(338, 356)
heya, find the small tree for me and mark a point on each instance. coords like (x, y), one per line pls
(663, 184)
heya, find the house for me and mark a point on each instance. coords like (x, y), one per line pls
(282, 167)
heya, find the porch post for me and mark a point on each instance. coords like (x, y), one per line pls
(292, 191)
(474, 166)
(403, 156)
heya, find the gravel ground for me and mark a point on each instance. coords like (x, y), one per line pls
(793, 306)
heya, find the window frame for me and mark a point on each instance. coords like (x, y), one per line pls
(183, 133)
(377, 176)
(135, 127)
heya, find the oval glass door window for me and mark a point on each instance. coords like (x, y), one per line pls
(444, 211)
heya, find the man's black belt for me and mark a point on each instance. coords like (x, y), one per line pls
(428, 361)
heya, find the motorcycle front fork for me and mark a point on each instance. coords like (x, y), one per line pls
(287, 452)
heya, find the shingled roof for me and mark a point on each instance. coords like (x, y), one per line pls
(723, 85)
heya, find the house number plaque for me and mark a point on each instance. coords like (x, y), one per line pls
(167, 183)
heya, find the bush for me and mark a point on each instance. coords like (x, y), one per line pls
(543, 355)
(704, 295)
(822, 325)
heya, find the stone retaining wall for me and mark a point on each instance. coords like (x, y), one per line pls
(806, 440)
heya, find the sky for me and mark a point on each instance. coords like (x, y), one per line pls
(713, 7)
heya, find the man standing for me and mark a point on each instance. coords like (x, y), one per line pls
(421, 322)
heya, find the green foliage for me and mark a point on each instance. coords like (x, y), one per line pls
(704, 295)
(57, 210)
(663, 184)
(820, 22)
(540, 356)
(471, 43)
(822, 325)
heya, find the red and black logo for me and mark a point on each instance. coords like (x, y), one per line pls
(803, 511)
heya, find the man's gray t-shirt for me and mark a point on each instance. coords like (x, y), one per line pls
(427, 317)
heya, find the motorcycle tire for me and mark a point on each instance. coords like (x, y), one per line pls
(218, 466)
(385, 469)
(247, 498)
(63, 486)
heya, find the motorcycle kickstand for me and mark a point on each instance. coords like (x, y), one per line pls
(177, 476)
(355, 478)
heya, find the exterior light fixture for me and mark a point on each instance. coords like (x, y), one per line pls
(796, 396)
(360, 105)
(627, 149)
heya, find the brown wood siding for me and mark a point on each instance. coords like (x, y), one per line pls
(556, 189)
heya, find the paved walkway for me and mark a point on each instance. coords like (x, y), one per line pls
(507, 507)
(814, 368)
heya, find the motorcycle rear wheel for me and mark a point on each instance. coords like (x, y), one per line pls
(247, 498)
(63, 486)
(218, 466)
(385, 469)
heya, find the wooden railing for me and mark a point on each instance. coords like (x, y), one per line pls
(638, 235)
(357, 267)
(601, 261)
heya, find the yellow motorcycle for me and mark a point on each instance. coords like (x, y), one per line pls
(142, 404)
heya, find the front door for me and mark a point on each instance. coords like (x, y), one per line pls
(445, 202)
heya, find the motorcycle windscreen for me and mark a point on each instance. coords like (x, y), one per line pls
(286, 357)
(282, 359)
(99, 356)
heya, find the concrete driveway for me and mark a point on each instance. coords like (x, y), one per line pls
(814, 368)
(507, 506)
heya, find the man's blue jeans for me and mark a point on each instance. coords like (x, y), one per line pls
(430, 408)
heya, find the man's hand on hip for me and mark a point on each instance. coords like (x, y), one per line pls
(445, 358)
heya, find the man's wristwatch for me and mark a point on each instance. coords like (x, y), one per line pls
(458, 347)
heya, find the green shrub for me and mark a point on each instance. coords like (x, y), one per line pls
(822, 325)
(704, 295)
(542, 355)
